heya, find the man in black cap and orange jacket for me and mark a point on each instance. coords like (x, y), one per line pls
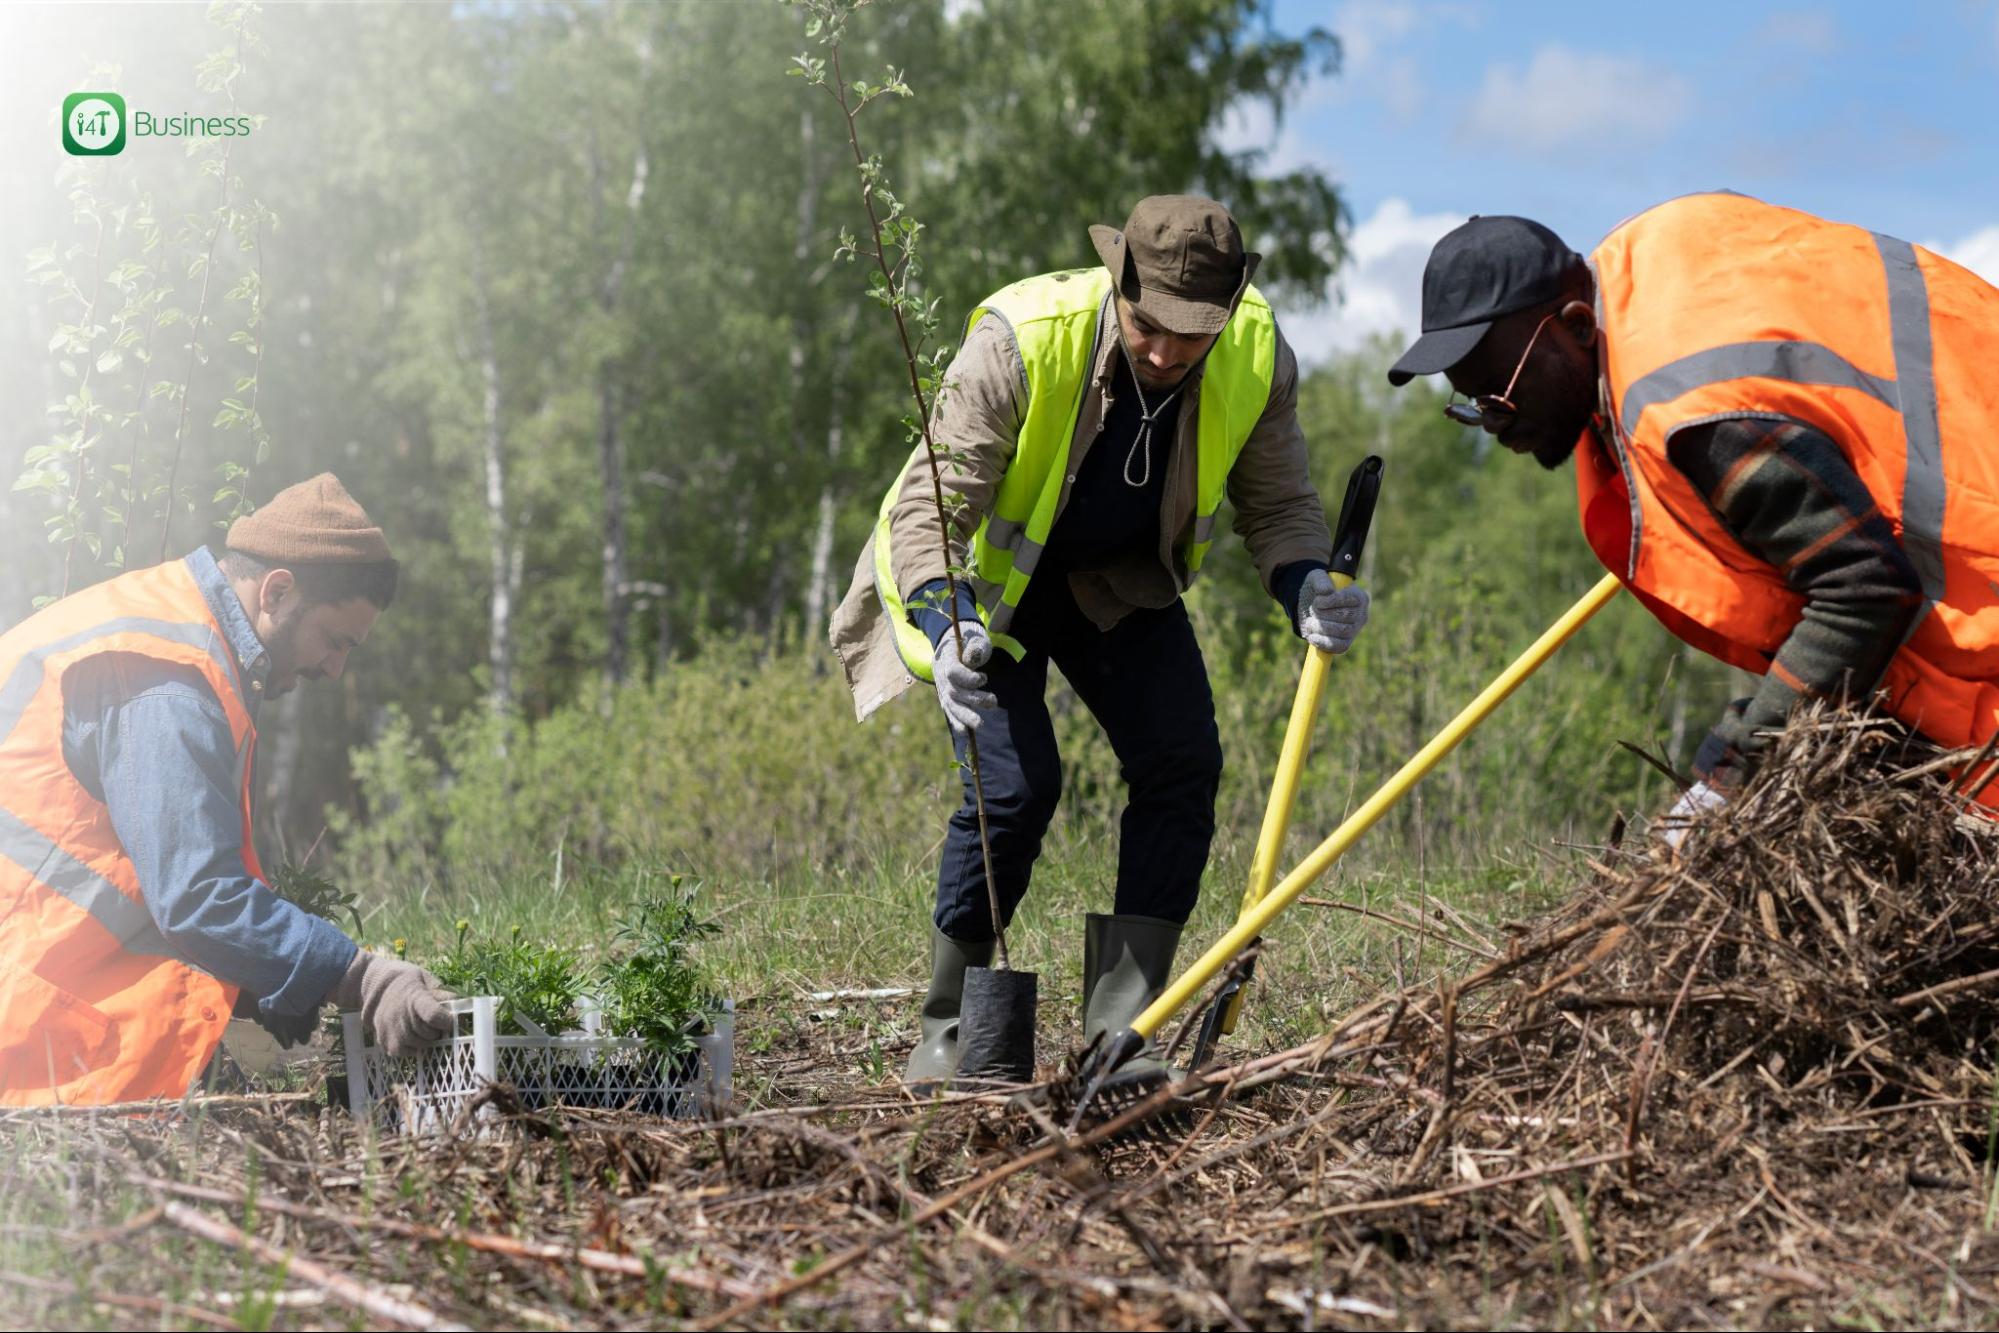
(134, 917)
(1782, 429)
(1092, 424)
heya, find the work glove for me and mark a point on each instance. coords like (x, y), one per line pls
(289, 1029)
(961, 686)
(1329, 617)
(1694, 802)
(401, 1005)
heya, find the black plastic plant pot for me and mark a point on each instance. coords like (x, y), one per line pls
(579, 1085)
(651, 1084)
(996, 1027)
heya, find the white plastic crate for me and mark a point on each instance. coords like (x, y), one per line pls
(424, 1093)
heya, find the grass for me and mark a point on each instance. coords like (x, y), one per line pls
(782, 940)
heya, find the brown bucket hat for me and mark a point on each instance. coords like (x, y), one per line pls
(1179, 261)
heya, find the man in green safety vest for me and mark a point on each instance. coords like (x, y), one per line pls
(1092, 422)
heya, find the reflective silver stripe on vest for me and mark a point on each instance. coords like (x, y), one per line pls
(1002, 532)
(1916, 392)
(129, 923)
(1912, 393)
(1204, 528)
(1794, 362)
(1025, 557)
(26, 678)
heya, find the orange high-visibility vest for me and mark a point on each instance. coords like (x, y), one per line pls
(94, 1006)
(1719, 306)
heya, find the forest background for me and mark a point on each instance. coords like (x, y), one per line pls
(551, 287)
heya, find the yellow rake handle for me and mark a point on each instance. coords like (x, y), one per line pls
(1268, 905)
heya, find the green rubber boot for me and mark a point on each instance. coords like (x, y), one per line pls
(935, 1058)
(1127, 963)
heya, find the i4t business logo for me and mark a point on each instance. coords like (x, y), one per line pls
(95, 124)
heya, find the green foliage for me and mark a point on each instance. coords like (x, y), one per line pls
(747, 768)
(312, 892)
(655, 991)
(540, 982)
(140, 336)
(736, 762)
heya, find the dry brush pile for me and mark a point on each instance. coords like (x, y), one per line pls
(1744, 1085)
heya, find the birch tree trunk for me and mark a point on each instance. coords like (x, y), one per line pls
(610, 447)
(503, 563)
(819, 582)
(611, 469)
(804, 327)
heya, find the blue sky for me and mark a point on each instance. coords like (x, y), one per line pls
(1578, 115)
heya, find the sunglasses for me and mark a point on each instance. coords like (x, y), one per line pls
(1495, 411)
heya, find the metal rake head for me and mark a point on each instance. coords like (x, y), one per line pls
(1102, 1088)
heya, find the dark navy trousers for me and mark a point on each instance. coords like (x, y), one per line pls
(1146, 685)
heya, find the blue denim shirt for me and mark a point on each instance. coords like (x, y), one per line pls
(151, 741)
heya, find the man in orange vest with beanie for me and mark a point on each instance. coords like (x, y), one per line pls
(1784, 433)
(134, 917)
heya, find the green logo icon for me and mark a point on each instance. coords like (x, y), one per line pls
(93, 124)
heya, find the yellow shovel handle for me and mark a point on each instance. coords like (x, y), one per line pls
(1290, 766)
(1265, 910)
(1284, 789)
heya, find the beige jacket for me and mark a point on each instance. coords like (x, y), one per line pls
(977, 423)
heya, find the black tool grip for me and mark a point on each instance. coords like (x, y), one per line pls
(1356, 516)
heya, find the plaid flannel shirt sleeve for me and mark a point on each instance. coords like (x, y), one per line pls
(1789, 496)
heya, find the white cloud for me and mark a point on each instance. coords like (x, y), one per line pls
(1808, 32)
(1376, 61)
(1375, 67)
(1381, 285)
(1567, 99)
(1367, 27)
(1978, 252)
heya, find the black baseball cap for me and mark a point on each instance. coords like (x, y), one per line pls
(1487, 268)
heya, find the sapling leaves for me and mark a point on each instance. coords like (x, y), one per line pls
(655, 992)
(312, 892)
(539, 982)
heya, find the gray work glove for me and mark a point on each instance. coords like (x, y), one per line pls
(961, 686)
(1694, 802)
(401, 1005)
(1329, 617)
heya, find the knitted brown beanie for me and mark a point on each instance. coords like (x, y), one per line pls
(313, 523)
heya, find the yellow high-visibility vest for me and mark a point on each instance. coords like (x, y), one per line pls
(1053, 318)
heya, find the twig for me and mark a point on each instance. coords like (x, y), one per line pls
(1429, 1198)
(1648, 1053)
(347, 1290)
(161, 1106)
(602, 1261)
(1914, 998)
(1400, 924)
(148, 1304)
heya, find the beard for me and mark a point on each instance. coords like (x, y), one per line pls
(1552, 454)
(1552, 441)
(1150, 379)
(283, 648)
